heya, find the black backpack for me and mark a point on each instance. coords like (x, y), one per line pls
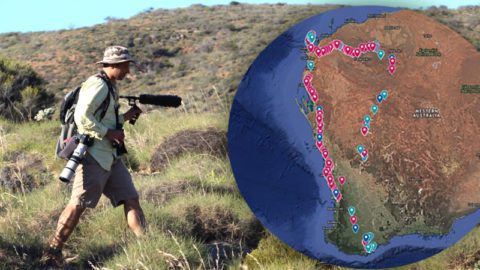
(67, 111)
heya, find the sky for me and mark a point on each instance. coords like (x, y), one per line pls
(50, 15)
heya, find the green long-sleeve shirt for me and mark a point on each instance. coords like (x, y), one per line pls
(92, 94)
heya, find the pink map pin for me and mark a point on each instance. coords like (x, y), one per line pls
(392, 61)
(318, 52)
(331, 185)
(356, 52)
(320, 125)
(310, 47)
(307, 79)
(330, 178)
(342, 180)
(330, 47)
(314, 97)
(319, 144)
(328, 162)
(326, 171)
(391, 69)
(339, 197)
(364, 153)
(325, 153)
(363, 47)
(353, 220)
(347, 49)
(364, 131)
(336, 43)
(319, 118)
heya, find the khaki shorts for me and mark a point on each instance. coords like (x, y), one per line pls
(91, 180)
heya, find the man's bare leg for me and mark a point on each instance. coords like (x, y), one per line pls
(135, 217)
(66, 224)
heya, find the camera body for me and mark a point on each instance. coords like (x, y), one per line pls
(84, 141)
(121, 149)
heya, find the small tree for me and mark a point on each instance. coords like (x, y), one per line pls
(22, 93)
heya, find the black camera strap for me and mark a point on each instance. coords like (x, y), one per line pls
(120, 148)
(111, 91)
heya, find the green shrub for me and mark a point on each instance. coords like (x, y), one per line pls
(21, 91)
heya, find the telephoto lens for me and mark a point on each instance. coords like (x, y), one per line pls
(69, 171)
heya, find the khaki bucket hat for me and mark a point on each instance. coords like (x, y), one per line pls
(115, 55)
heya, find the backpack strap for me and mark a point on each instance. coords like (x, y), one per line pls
(104, 106)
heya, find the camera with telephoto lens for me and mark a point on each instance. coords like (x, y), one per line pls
(84, 141)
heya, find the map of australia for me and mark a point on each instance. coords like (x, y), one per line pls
(353, 137)
(423, 167)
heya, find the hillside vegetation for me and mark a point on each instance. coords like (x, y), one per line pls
(198, 52)
(22, 92)
(196, 216)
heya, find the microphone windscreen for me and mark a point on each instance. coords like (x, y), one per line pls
(161, 100)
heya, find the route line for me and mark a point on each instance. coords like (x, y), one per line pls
(354, 52)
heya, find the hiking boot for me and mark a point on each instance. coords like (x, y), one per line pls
(53, 257)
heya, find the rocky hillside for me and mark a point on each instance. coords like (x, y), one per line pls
(199, 52)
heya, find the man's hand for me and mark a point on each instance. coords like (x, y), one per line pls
(132, 114)
(115, 135)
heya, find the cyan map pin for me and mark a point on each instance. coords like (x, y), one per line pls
(311, 36)
(368, 247)
(370, 236)
(310, 65)
(377, 48)
(374, 109)
(319, 108)
(380, 54)
(365, 158)
(374, 246)
(351, 210)
(384, 94)
(360, 148)
(367, 118)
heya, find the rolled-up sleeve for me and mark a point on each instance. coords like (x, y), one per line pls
(93, 93)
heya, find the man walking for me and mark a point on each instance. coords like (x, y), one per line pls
(102, 170)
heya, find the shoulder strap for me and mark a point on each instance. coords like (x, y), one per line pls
(104, 106)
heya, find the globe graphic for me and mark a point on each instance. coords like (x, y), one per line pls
(353, 137)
